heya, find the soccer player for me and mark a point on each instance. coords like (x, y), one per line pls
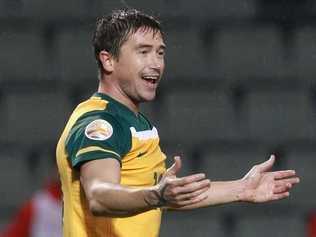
(112, 170)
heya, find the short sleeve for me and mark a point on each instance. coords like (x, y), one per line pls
(97, 136)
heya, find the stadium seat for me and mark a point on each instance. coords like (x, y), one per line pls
(185, 58)
(201, 9)
(10, 8)
(196, 116)
(304, 162)
(306, 50)
(35, 117)
(3, 119)
(230, 162)
(250, 52)
(45, 159)
(193, 223)
(75, 55)
(3, 222)
(54, 10)
(101, 7)
(173, 149)
(22, 55)
(278, 116)
(14, 176)
(276, 226)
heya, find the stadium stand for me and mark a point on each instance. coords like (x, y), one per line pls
(14, 173)
(306, 51)
(277, 226)
(54, 10)
(16, 46)
(303, 158)
(220, 164)
(280, 115)
(73, 44)
(192, 224)
(261, 48)
(185, 57)
(239, 82)
(195, 116)
(34, 117)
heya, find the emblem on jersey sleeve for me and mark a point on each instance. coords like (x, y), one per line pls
(99, 130)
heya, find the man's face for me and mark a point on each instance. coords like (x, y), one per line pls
(140, 65)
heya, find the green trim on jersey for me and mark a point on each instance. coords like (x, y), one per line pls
(139, 121)
(81, 148)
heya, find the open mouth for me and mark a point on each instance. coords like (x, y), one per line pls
(153, 79)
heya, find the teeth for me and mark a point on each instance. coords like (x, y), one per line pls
(150, 77)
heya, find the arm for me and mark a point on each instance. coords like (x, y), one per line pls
(258, 185)
(106, 197)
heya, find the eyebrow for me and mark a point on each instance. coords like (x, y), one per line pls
(139, 46)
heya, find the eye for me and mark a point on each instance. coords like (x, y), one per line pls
(144, 51)
(161, 53)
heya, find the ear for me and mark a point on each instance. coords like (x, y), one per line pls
(107, 61)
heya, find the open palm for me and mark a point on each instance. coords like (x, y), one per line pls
(262, 184)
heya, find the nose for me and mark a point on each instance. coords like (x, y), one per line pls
(157, 62)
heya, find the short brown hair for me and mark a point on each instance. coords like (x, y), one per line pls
(113, 30)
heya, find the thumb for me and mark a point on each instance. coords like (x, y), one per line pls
(267, 165)
(174, 169)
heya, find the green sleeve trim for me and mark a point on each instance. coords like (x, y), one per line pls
(95, 148)
(94, 155)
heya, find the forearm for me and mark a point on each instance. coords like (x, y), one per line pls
(257, 186)
(221, 192)
(106, 199)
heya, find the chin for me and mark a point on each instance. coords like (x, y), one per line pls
(148, 98)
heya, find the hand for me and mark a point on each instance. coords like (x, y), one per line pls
(262, 185)
(178, 192)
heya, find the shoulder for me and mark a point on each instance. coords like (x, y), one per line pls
(96, 112)
(102, 125)
(95, 135)
(99, 126)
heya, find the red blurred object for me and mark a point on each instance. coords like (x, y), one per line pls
(312, 226)
(40, 215)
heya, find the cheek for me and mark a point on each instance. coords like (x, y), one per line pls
(139, 63)
(133, 66)
(125, 71)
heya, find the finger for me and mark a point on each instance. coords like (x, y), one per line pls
(282, 189)
(174, 169)
(192, 187)
(279, 196)
(292, 181)
(200, 198)
(197, 199)
(186, 180)
(283, 174)
(267, 165)
(192, 195)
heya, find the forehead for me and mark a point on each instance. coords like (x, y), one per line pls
(145, 36)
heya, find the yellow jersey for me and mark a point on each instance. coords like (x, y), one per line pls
(101, 128)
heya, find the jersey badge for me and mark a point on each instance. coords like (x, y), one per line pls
(99, 130)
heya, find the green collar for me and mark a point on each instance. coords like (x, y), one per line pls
(121, 106)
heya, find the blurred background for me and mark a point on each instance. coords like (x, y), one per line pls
(239, 85)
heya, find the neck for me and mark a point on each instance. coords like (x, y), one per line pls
(109, 88)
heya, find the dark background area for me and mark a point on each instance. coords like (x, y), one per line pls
(239, 85)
